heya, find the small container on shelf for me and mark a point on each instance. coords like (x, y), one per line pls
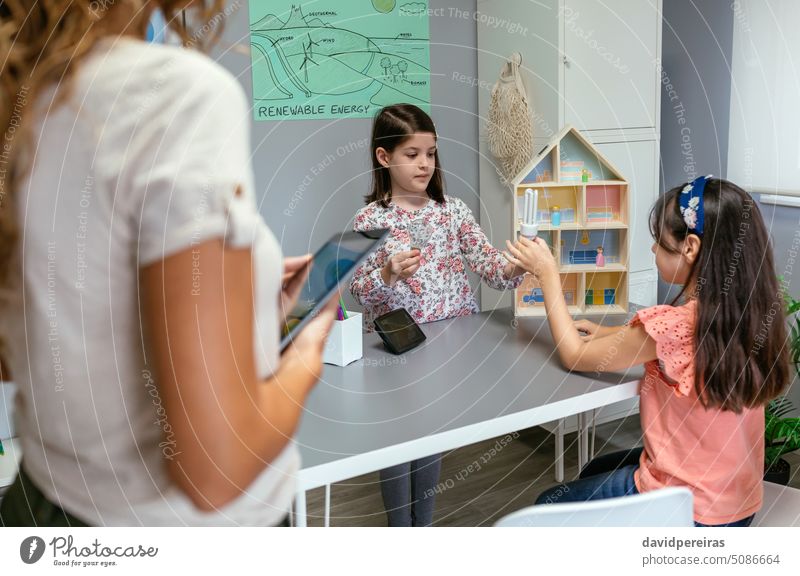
(555, 216)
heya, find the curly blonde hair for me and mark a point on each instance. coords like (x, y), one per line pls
(42, 43)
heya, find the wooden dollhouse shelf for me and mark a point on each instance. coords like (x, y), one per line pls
(545, 227)
(613, 225)
(599, 309)
(552, 184)
(576, 268)
(594, 215)
(573, 310)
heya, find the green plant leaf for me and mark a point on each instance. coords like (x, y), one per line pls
(781, 435)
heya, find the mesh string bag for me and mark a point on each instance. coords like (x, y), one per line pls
(508, 128)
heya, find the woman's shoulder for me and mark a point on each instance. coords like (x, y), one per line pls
(171, 75)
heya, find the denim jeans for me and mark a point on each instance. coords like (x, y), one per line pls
(604, 477)
(609, 476)
(406, 491)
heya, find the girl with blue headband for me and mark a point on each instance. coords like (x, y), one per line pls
(713, 357)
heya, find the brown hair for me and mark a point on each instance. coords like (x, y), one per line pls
(394, 125)
(741, 350)
(43, 43)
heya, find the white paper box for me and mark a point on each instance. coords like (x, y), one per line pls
(345, 342)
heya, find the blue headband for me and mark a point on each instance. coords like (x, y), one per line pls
(691, 203)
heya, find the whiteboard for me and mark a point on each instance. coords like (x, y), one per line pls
(764, 146)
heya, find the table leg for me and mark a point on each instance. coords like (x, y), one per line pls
(560, 450)
(583, 441)
(327, 505)
(584, 424)
(301, 521)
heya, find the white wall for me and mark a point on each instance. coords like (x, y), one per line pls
(764, 143)
(764, 150)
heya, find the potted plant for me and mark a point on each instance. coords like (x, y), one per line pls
(782, 434)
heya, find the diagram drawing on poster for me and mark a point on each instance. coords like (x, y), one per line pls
(338, 59)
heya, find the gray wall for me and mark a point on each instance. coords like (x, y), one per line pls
(304, 209)
(695, 94)
(784, 226)
(696, 55)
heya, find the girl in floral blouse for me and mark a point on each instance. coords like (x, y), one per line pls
(421, 267)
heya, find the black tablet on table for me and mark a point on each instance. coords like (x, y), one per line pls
(398, 331)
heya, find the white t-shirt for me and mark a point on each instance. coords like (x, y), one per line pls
(141, 162)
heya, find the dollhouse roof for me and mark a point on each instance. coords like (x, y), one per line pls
(575, 140)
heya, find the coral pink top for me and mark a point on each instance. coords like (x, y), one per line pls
(718, 454)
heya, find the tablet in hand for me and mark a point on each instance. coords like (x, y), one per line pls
(332, 265)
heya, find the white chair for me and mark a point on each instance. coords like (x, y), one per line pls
(781, 506)
(670, 507)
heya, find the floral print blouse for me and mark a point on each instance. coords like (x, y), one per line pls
(440, 288)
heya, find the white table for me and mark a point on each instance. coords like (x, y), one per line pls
(475, 378)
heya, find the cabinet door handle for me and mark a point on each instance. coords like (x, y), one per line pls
(566, 61)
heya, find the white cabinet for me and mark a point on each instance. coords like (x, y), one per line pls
(638, 161)
(610, 63)
(590, 64)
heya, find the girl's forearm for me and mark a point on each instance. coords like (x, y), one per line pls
(603, 331)
(566, 338)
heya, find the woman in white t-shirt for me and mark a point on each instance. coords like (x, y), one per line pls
(141, 289)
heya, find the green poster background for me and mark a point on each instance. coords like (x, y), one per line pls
(338, 58)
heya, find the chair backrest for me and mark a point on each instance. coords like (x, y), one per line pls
(781, 506)
(670, 507)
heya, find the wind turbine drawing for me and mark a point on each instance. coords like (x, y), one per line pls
(308, 56)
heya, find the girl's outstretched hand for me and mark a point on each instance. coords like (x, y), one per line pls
(532, 255)
(401, 266)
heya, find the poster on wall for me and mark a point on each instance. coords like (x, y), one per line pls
(329, 59)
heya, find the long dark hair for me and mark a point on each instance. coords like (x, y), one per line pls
(741, 354)
(393, 125)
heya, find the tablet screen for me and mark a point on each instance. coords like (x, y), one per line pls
(332, 265)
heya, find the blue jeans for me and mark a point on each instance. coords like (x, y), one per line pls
(608, 476)
(407, 491)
